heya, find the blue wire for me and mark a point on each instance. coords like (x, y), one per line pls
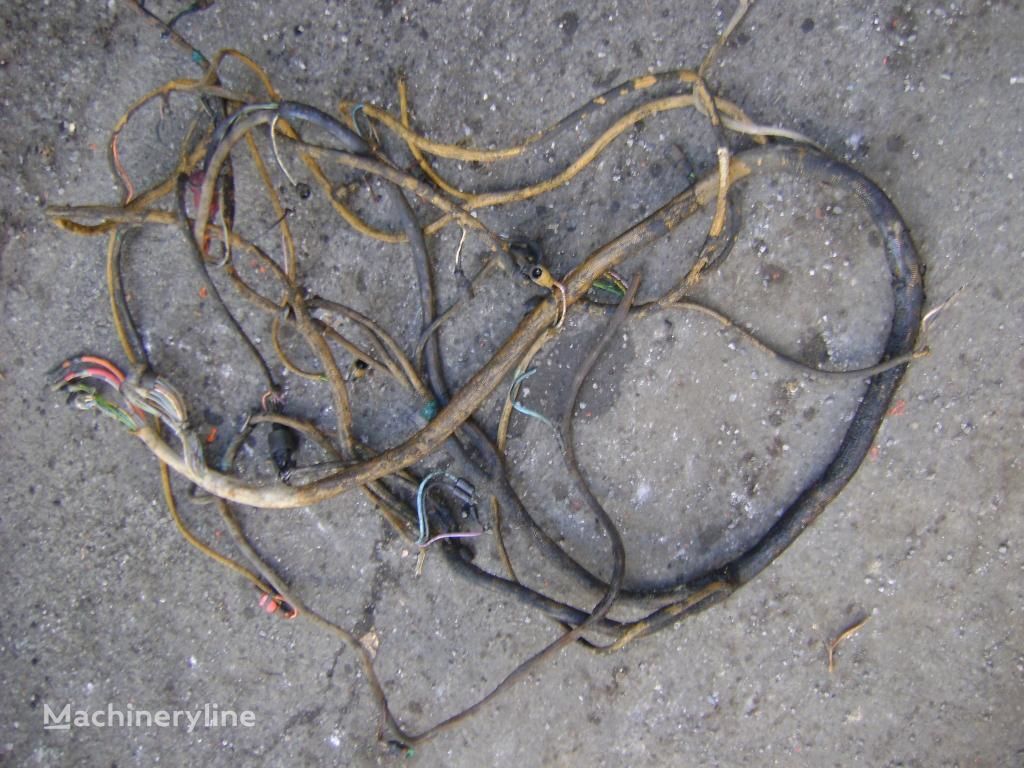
(514, 390)
(354, 114)
(421, 510)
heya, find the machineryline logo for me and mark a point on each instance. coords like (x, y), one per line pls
(128, 716)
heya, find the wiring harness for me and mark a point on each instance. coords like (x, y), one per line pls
(447, 483)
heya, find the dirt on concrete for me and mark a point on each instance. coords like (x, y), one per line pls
(691, 437)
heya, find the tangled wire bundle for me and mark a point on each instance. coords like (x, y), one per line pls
(426, 500)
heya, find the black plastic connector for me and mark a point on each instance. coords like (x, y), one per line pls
(283, 442)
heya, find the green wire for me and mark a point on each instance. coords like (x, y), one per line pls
(114, 411)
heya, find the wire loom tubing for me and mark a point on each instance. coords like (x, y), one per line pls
(474, 477)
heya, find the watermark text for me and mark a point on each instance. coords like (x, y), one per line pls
(129, 716)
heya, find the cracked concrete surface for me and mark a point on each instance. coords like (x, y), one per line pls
(692, 438)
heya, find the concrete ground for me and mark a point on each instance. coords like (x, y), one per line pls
(692, 438)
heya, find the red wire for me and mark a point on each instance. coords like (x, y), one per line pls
(104, 363)
(99, 373)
